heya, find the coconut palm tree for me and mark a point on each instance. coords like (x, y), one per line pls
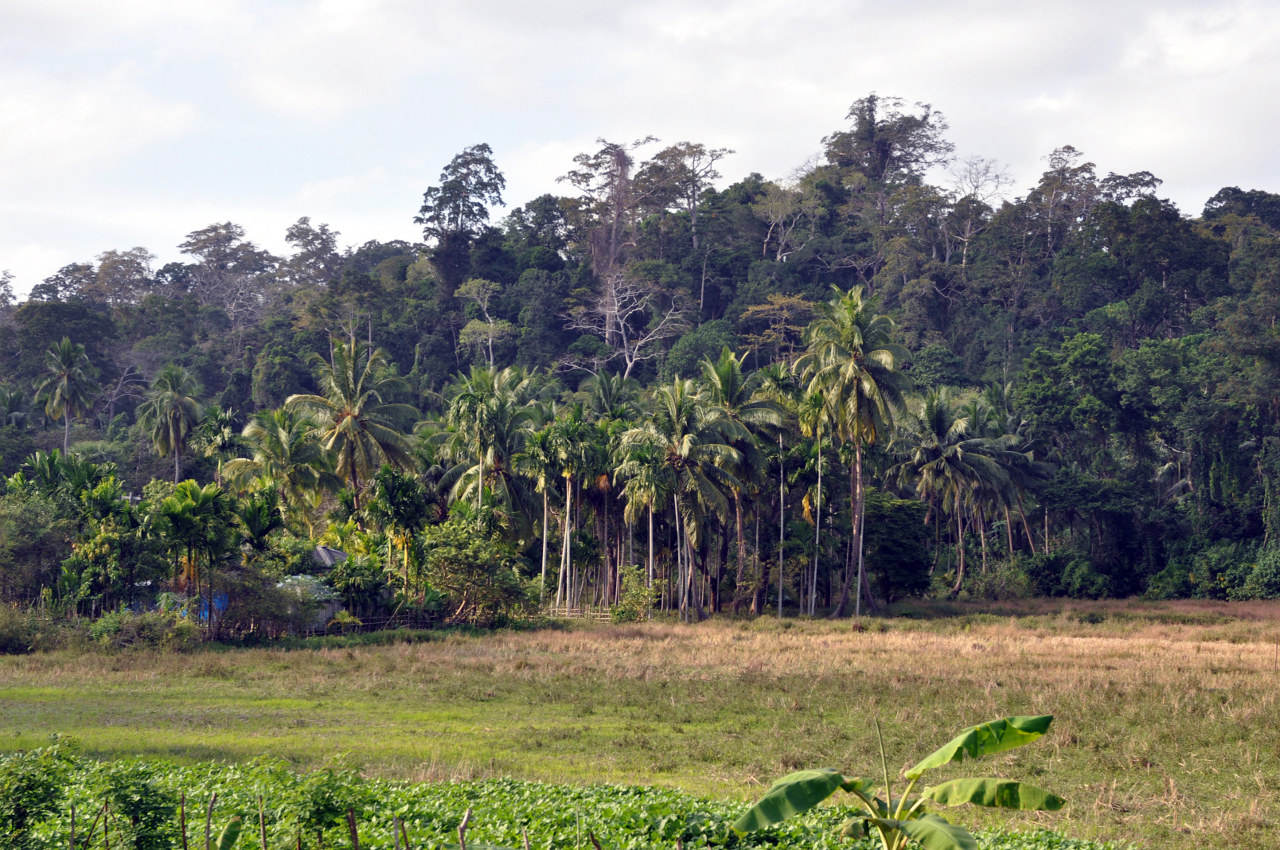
(287, 457)
(67, 389)
(355, 420)
(691, 436)
(950, 468)
(851, 359)
(490, 416)
(746, 414)
(169, 412)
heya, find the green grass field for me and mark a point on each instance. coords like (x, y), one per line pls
(1165, 733)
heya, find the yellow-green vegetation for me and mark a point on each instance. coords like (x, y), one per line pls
(1164, 732)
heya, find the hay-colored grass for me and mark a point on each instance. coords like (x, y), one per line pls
(1165, 732)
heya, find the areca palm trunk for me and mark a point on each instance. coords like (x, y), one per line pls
(649, 585)
(66, 432)
(857, 497)
(742, 552)
(782, 519)
(542, 584)
(817, 535)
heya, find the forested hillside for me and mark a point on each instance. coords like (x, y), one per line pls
(887, 365)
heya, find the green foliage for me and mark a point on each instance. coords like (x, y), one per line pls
(637, 599)
(476, 570)
(124, 629)
(312, 807)
(31, 789)
(899, 822)
(142, 808)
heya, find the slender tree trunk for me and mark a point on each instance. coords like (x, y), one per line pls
(1008, 530)
(66, 433)
(782, 519)
(817, 529)
(855, 524)
(177, 465)
(738, 596)
(982, 538)
(649, 584)
(542, 584)
(955, 588)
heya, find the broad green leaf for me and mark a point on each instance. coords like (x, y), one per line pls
(932, 832)
(997, 793)
(985, 739)
(795, 793)
(230, 834)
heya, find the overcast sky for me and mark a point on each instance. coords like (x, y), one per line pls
(137, 121)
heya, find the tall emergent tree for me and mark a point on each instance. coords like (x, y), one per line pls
(456, 210)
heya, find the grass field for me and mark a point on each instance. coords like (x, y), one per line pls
(1166, 731)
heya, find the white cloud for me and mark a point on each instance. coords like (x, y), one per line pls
(57, 127)
(138, 122)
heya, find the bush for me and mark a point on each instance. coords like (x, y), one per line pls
(1263, 581)
(1065, 573)
(1003, 580)
(30, 788)
(150, 629)
(636, 601)
(146, 810)
(17, 630)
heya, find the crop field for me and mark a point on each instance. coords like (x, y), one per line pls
(1165, 733)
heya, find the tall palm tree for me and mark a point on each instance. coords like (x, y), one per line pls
(537, 461)
(571, 437)
(778, 382)
(691, 435)
(355, 421)
(950, 468)
(851, 359)
(287, 456)
(490, 416)
(169, 413)
(647, 483)
(746, 414)
(67, 389)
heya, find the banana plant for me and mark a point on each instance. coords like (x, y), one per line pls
(898, 820)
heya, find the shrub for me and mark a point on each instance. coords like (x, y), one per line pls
(636, 601)
(1005, 579)
(1263, 581)
(17, 630)
(146, 810)
(30, 788)
(150, 629)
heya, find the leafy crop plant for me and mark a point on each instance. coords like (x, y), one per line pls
(898, 821)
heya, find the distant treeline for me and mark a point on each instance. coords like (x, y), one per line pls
(819, 392)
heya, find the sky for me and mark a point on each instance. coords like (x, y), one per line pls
(136, 122)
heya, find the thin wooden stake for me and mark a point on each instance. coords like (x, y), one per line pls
(262, 823)
(404, 833)
(72, 843)
(524, 836)
(208, 824)
(462, 830)
(594, 843)
(395, 831)
(106, 832)
(351, 825)
(182, 818)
